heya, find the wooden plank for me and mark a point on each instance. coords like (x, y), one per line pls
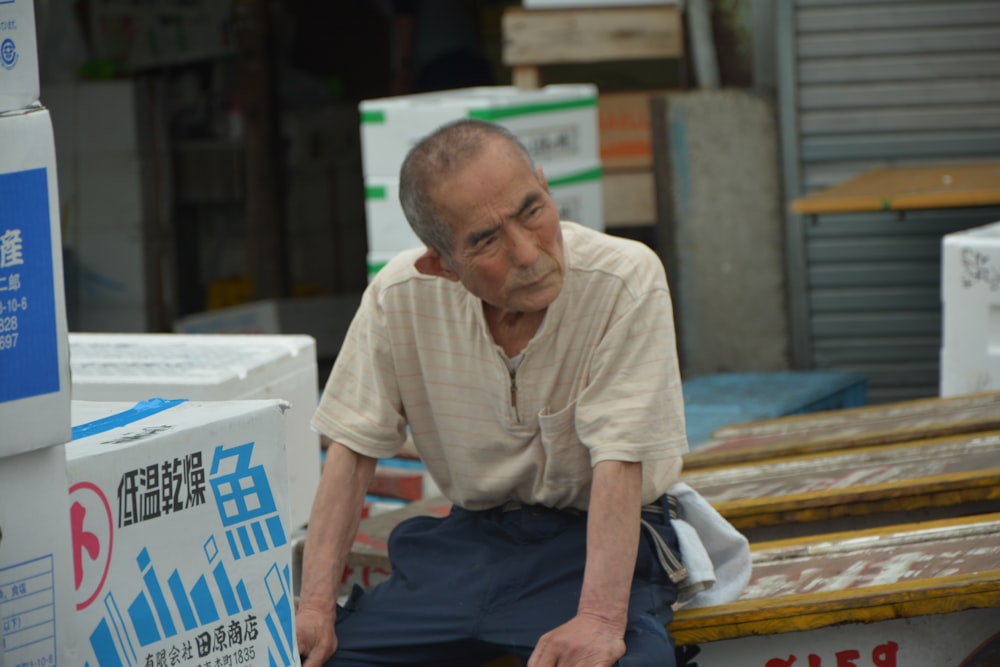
(545, 37)
(848, 428)
(908, 188)
(804, 494)
(860, 576)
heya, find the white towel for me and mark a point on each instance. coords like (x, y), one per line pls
(715, 554)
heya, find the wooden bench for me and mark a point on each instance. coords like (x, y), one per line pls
(916, 595)
(813, 433)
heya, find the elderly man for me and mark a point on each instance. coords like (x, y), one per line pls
(534, 362)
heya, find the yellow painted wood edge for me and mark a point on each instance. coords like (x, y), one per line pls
(939, 491)
(868, 204)
(810, 611)
(807, 541)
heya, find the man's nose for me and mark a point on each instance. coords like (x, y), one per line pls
(523, 248)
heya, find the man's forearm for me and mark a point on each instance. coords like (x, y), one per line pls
(333, 525)
(612, 541)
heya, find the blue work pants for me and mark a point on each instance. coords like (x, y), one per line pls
(477, 585)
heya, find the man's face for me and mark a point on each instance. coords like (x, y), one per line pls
(508, 247)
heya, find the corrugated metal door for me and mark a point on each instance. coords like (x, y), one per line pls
(873, 83)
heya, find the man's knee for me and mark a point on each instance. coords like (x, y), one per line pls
(648, 645)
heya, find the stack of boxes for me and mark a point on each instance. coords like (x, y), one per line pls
(557, 124)
(155, 533)
(970, 295)
(36, 563)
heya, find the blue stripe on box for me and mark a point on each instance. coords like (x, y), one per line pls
(277, 531)
(104, 646)
(226, 588)
(203, 603)
(272, 628)
(245, 542)
(141, 615)
(138, 412)
(182, 602)
(241, 591)
(258, 533)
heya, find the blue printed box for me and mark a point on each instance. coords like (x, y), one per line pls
(34, 348)
(179, 520)
(19, 82)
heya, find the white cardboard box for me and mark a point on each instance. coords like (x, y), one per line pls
(36, 560)
(557, 123)
(34, 363)
(19, 83)
(122, 367)
(182, 534)
(970, 293)
(576, 188)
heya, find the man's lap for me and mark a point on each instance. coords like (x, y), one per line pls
(479, 583)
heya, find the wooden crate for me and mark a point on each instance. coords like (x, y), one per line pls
(534, 37)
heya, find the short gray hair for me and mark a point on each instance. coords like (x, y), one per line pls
(440, 154)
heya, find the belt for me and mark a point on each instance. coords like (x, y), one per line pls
(668, 559)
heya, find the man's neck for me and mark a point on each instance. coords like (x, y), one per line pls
(512, 331)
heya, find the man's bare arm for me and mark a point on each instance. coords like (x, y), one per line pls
(596, 636)
(333, 525)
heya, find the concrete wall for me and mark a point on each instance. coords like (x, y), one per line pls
(722, 230)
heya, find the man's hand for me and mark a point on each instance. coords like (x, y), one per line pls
(583, 641)
(315, 635)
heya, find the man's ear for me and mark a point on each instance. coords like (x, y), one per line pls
(542, 179)
(432, 264)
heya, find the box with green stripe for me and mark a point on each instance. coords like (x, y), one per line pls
(557, 123)
(575, 188)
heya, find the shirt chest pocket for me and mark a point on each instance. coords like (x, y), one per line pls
(567, 460)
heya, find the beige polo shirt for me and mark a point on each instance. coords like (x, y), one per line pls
(599, 381)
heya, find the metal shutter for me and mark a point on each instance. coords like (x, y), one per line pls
(876, 83)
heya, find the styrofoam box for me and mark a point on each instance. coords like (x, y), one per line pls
(970, 292)
(576, 189)
(325, 318)
(34, 362)
(19, 83)
(557, 123)
(182, 535)
(122, 367)
(36, 561)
